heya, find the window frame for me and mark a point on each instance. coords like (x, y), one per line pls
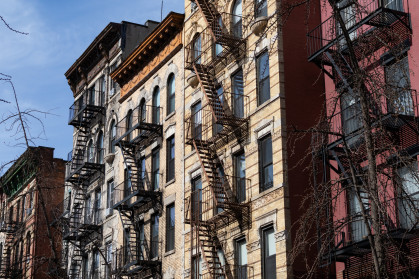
(265, 272)
(171, 96)
(154, 237)
(110, 193)
(263, 165)
(261, 12)
(170, 161)
(170, 229)
(259, 80)
(155, 168)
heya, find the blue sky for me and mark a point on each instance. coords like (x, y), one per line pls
(59, 31)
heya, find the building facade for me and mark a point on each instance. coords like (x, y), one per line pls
(246, 84)
(30, 190)
(90, 225)
(371, 135)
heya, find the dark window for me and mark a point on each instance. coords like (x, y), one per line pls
(155, 166)
(156, 105)
(268, 254)
(90, 152)
(196, 267)
(240, 176)
(263, 84)
(112, 135)
(109, 254)
(196, 54)
(141, 174)
(351, 115)
(196, 198)
(394, 5)
(265, 163)
(220, 196)
(196, 121)
(92, 96)
(98, 200)
(408, 196)
(194, 6)
(154, 236)
(141, 240)
(237, 19)
(261, 8)
(238, 99)
(170, 158)
(358, 230)
(111, 193)
(171, 94)
(102, 90)
(114, 86)
(241, 259)
(170, 227)
(127, 182)
(399, 93)
(218, 48)
(95, 265)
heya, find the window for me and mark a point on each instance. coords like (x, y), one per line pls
(170, 158)
(141, 240)
(85, 264)
(127, 182)
(155, 167)
(237, 19)
(143, 111)
(90, 152)
(238, 99)
(221, 258)
(348, 14)
(112, 136)
(220, 195)
(399, 94)
(196, 197)
(263, 84)
(241, 258)
(102, 89)
(261, 8)
(170, 227)
(109, 254)
(239, 165)
(351, 116)
(171, 94)
(156, 105)
(100, 148)
(220, 93)
(111, 193)
(268, 253)
(409, 196)
(97, 206)
(196, 121)
(142, 174)
(154, 236)
(197, 267)
(194, 6)
(196, 54)
(394, 5)
(88, 215)
(92, 95)
(80, 104)
(95, 264)
(114, 86)
(218, 48)
(357, 227)
(128, 124)
(265, 163)
(28, 247)
(25, 206)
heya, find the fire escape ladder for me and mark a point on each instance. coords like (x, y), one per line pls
(342, 68)
(210, 15)
(130, 237)
(6, 268)
(209, 251)
(128, 154)
(76, 263)
(80, 148)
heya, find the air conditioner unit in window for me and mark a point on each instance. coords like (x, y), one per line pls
(109, 211)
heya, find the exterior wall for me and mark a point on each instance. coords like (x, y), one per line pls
(35, 200)
(291, 78)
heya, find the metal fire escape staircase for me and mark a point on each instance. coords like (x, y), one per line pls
(215, 197)
(133, 258)
(8, 268)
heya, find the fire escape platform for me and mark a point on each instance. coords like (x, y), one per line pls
(377, 27)
(84, 172)
(143, 197)
(148, 132)
(80, 120)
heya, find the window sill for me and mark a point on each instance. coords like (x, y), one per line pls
(170, 115)
(265, 104)
(168, 183)
(168, 253)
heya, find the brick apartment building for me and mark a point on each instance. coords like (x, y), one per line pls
(30, 189)
(380, 42)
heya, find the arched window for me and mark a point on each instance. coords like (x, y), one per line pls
(99, 146)
(171, 94)
(129, 124)
(112, 136)
(90, 152)
(196, 54)
(156, 105)
(237, 19)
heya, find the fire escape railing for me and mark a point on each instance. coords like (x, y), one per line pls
(83, 162)
(371, 22)
(84, 110)
(141, 127)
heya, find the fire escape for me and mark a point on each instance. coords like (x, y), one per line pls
(139, 192)
(9, 267)
(221, 119)
(81, 225)
(376, 28)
